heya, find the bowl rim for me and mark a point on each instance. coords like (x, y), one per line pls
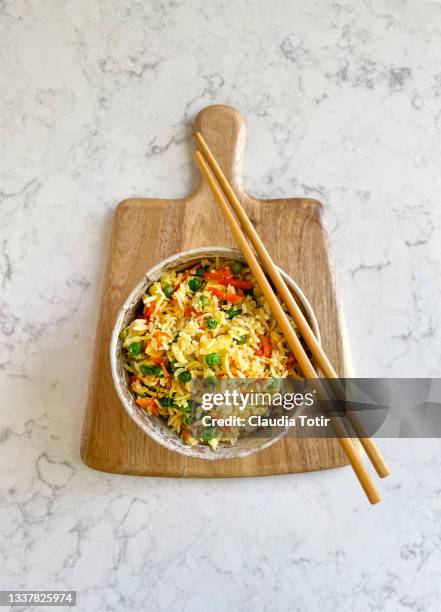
(153, 274)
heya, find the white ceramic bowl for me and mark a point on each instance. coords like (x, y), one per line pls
(156, 427)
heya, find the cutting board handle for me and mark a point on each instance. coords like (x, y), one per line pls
(223, 128)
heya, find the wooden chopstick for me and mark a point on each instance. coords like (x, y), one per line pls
(315, 347)
(290, 335)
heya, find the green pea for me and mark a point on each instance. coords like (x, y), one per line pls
(207, 434)
(168, 290)
(232, 312)
(187, 407)
(213, 359)
(184, 376)
(201, 271)
(241, 339)
(211, 323)
(167, 402)
(210, 381)
(236, 267)
(203, 300)
(135, 348)
(195, 284)
(272, 383)
(151, 370)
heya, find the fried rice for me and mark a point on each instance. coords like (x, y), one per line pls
(209, 321)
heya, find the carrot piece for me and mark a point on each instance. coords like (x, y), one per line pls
(221, 273)
(149, 404)
(148, 310)
(186, 435)
(189, 310)
(236, 282)
(159, 335)
(267, 346)
(155, 408)
(157, 360)
(233, 298)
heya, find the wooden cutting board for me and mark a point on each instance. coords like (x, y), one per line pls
(146, 231)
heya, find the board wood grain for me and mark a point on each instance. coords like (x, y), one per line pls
(148, 230)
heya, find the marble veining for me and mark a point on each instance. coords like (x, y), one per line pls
(343, 104)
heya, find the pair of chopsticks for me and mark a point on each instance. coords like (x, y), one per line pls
(242, 229)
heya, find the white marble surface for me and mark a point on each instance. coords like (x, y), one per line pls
(343, 103)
